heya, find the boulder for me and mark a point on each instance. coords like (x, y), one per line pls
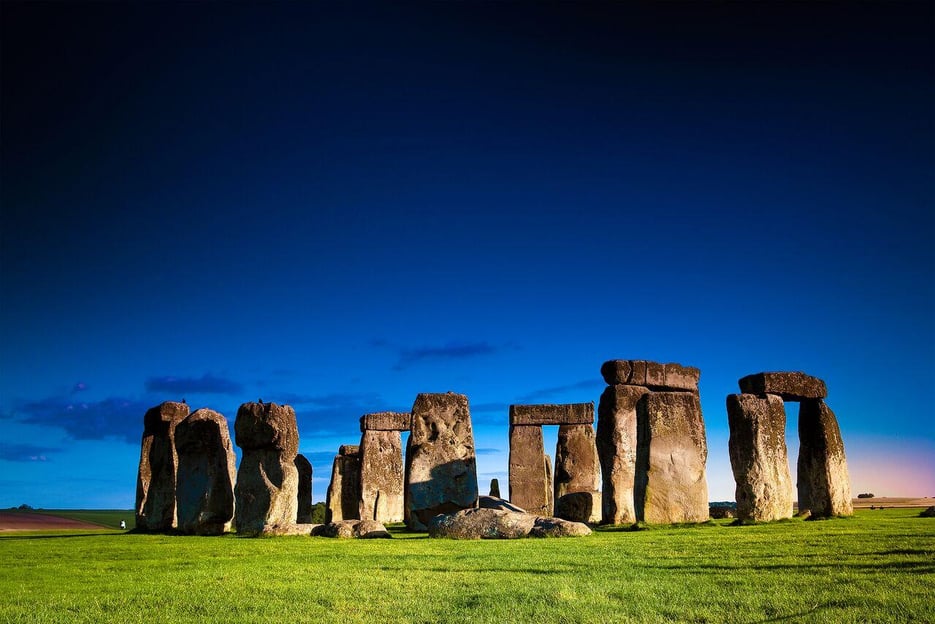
(557, 527)
(577, 468)
(343, 499)
(385, 421)
(579, 507)
(206, 474)
(670, 484)
(824, 486)
(719, 512)
(789, 386)
(552, 414)
(482, 524)
(656, 376)
(758, 457)
(275, 530)
(348, 529)
(616, 447)
(530, 485)
(441, 473)
(304, 499)
(381, 476)
(156, 477)
(493, 502)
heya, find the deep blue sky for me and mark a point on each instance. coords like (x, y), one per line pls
(340, 207)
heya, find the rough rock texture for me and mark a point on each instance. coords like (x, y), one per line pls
(381, 476)
(529, 481)
(579, 507)
(616, 447)
(441, 473)
(577, 468)
(347, 529)
(493, 502)
(557, 527)
(385, 421)
(719, 512)
(482, 524)
(304, 528)
(267, 481)
(671, 452)
(156, 478)
(758, 457)
(206, 474)
(552, 414)
(547, 463)
(343, 499)
(790, 386)
(823, 482)
(495, 488)
(670, 377)
(304, 500)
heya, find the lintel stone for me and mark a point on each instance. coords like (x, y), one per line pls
(349, 450)
(658, 377)
(552, 414)
(385, 421)
(794, 386)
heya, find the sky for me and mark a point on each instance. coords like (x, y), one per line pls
(341, 205)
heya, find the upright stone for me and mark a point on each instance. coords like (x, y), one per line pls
(381, 476)
(156, 478)
(758, 457)
(616, 447)
(267, 480)
(529, 483)
(206, 474)
(549, 484)
(303, 514)
(671, 451)
(495, 488)
(441, 473)
(577, 468)
(823, 481)
(343, 500)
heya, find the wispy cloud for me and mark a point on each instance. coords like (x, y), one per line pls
(117, 418)
(206, 384)
(456, 350)
(595, 385)
(487, 451)
(26, 452)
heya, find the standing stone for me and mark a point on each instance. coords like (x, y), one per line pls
(529, 481)
(577, 468)
(267, 481)
(381, 476)
(671, 451)
(549, 485)
(823, 481)
(206, 474)
(616, 446)
(156, 479)
(758, 457)
(495, 488)
(441, 473)
(343, 500)
(303, 514)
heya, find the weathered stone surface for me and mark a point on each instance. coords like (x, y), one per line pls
(758, 457)
(493, 502)
(579, 507)
(267, 426)
(552, 414)
(671, 451)
(304, 500)
(381, 475)
(343, 499)
(616, 447)
(495, 488)
(577, 468)
(529, 480)
(790, 386)
(156, 478)
(441, 473)
(304, 528)
(482, 524)
(267, 481)
(656, 376)
(347, 529)
(385, 421)
(557, 527)
(206, 474)
(824, 485)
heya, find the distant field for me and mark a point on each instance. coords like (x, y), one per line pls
(877, 566)
(109, 518)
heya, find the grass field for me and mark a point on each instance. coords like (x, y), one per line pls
(877, 566)
(104, 517)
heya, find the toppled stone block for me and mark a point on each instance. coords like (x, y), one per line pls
(530, 484)
(671, 452)
(579, 507)
(656, 376)
(493, 502)
(758, 457)
(789, 386)
(385, 421)
(381, 476)
(206, 474)
(824, 486)
(557, 527)
(552, 414)
(348, 529)
(577, 468)
(616, 446)
(304, 500)
(482, 524)
(276, 530)
(441, 473)
(156, 477)
(343, 499)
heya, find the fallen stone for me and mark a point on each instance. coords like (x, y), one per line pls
(719, 512)
(156, 476)
(348, 529)
(482, 524)
(530, 485)
(493, 502)
(824, 486)
(441, 473)
(276, 530)
(552, 414)
(304, 500)
(577, 468)
(616, 446)
(789, 386)
(381, 476)
(656, 376)
(343, 498)
(385, 421)
(579, 507)
(206, 474)
(758, 457)
(557, 527)
(670, 485)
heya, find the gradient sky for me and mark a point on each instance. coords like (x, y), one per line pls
(339, 207)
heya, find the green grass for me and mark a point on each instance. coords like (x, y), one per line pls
(877, 566)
